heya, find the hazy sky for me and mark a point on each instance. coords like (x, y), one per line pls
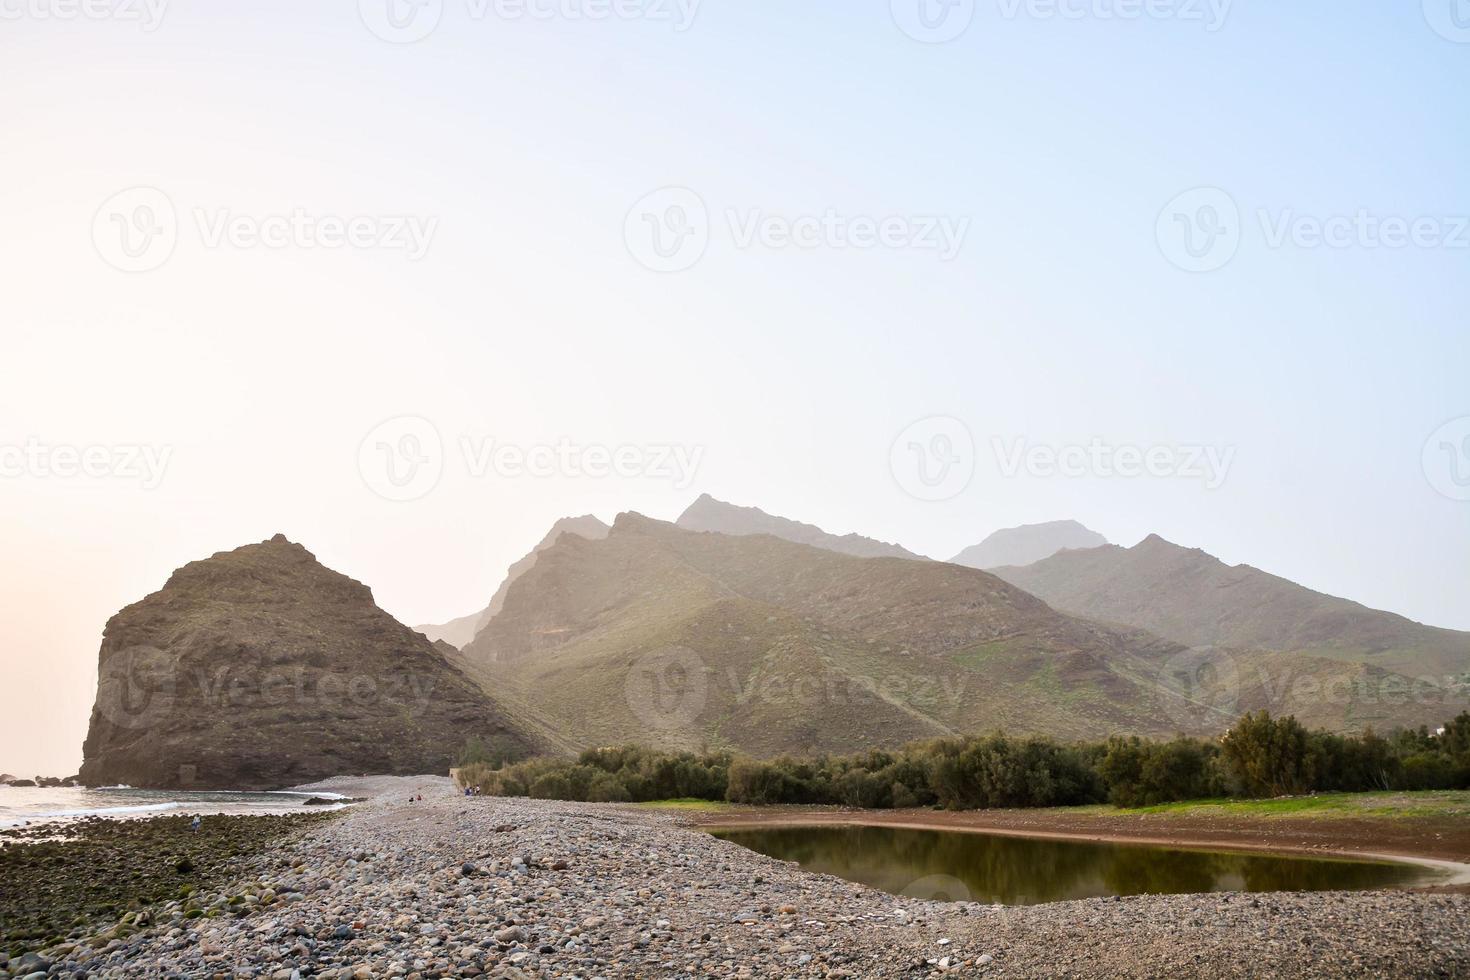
(257, 260)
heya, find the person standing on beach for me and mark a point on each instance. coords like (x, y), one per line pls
(194, 824)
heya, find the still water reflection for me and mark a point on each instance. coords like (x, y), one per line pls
(953, 866)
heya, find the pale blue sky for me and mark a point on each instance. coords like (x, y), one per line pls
(1060, 321)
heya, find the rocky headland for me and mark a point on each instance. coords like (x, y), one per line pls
(260, 667)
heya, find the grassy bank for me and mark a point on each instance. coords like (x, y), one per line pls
(1419, 825)
(102, 871)
(1386, 805)
(687, 805)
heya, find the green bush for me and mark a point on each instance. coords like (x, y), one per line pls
(1265, 757)
(1259, 756)
(1427, 770)
(1139, 773)
(607, 788)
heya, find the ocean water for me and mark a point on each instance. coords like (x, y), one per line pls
(32, 805)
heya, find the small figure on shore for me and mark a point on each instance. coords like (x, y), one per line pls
(194, 824)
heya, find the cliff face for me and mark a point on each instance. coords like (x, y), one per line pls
(260, 668)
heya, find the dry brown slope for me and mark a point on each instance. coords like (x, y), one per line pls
(685, 639)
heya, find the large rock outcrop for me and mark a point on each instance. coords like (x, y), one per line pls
(260, 668)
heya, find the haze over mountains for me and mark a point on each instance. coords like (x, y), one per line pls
(260, 668)
(459, 632)
(764, 645)
(1194, 598)
(709, 514)
(767, 645)
(1028, 543)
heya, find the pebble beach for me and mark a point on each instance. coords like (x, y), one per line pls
(467, 887)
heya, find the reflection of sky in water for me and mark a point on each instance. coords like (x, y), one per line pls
(1023, 871)
(30, 805)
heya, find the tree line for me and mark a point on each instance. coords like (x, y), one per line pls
(1259, 756)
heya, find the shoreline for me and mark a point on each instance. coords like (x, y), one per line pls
(63, 806)
(518, 888)
(108, 875)
(1434, 826)
(1458, 873)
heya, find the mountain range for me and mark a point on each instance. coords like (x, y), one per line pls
(739, 630)
(1192, 597)
(709, 514)
(1010, 546)
(705, 514)
(681, 638)
(764, 645)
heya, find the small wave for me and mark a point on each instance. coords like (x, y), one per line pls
(320, 794)
(105, 811)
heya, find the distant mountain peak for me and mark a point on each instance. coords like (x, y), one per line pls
(460, 632)
(631, 520)
(1161, 548)
(1190, 596)
(1027, 544)
(712, 515)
